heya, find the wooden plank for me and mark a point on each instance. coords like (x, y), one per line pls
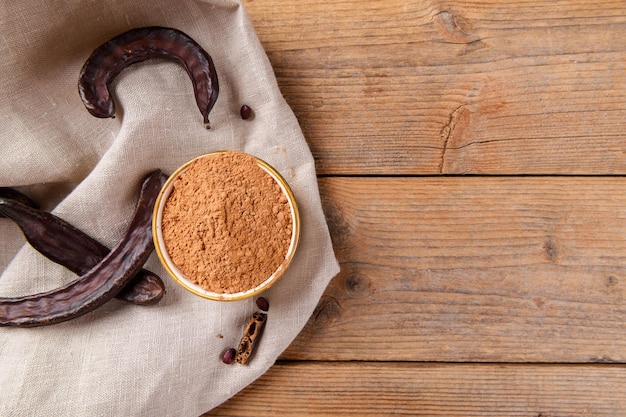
(406, 87)
(473, 269)
(381, 389)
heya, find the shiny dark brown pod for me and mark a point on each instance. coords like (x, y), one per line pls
(14, 195)
(102, 282)
(142, 44)
(66, 245)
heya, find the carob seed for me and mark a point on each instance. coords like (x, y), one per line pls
(138, 45)
(66, 245)
(246, 112)
(262, 303)
(229, 356)
(102, 282)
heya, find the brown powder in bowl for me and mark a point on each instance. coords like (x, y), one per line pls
(226, 223)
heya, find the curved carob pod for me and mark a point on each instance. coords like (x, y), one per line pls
(13, 194)
(142, 44)
(102, 282)
(66, 245)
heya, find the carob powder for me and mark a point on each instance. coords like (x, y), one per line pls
(227, 223)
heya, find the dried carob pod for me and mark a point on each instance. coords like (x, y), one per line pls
(102, 282)
(146, 289)
(66, 245)
(141, 44)
(251, 336)
(13, 194)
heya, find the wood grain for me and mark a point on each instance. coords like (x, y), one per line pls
(386, 389)
(407, 87)
(499, 293)
(473, 269)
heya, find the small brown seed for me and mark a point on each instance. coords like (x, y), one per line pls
(246, 112)
(229, 356)
(262, 303)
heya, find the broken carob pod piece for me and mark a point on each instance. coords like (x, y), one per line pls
(66, 245)
(138, 45)
(102, 282)
(251, 336)
(13, 194)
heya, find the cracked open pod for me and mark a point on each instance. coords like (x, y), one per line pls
(226, 226)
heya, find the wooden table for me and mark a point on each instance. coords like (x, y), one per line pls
(472, 163)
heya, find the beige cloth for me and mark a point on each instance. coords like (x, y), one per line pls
(126, 360)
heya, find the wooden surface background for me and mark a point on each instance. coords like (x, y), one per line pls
(471, 162)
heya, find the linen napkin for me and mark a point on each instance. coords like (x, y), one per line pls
(123, 359)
